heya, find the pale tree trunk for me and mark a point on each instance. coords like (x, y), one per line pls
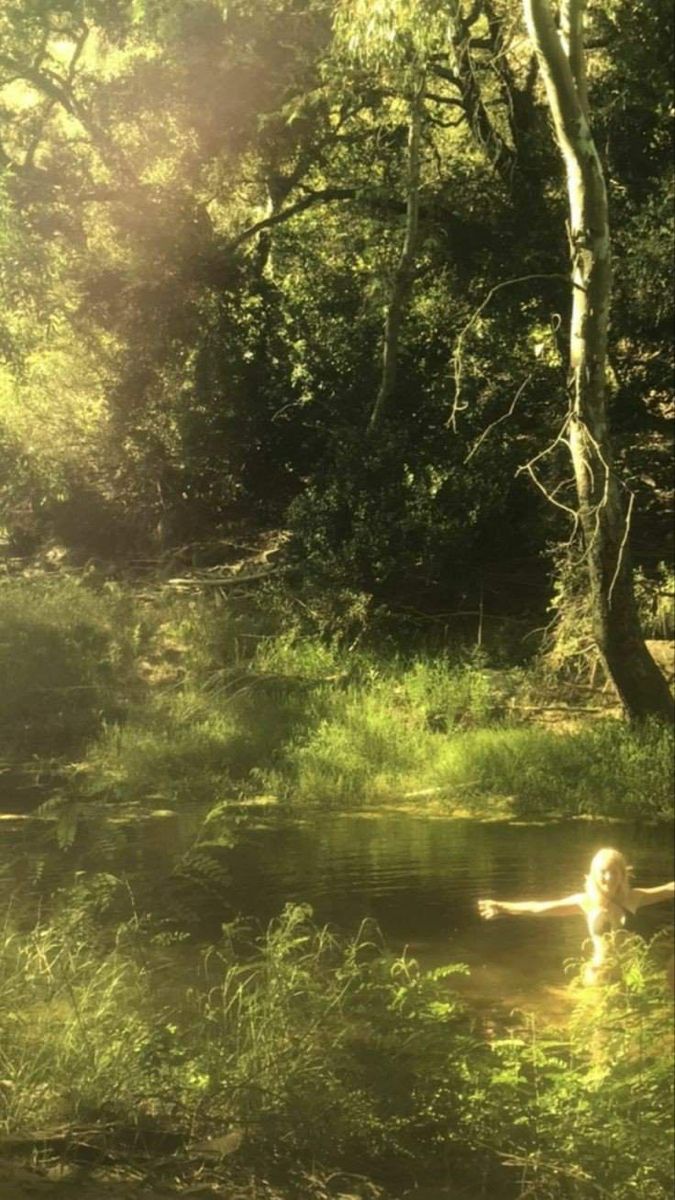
(405, 267)
(604, 521)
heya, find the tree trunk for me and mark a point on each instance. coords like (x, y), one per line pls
(405, 268)
(604, 520)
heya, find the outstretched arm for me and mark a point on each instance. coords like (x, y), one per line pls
(541, 908)
(653, 895)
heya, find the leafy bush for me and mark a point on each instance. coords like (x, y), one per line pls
(164, 700)
(66, 652)
(588, 1111)
(167, 753)
(299, 1051)
(378, 730)
(310, 1044)
(603, 769)
(568, 647)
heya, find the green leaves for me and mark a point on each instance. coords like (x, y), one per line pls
(391, 32)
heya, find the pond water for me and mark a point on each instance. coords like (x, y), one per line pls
(418, 876)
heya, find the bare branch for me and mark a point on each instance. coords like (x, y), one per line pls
(59, 91)
(528, 468)
(487, 135)
(571, 512)
(451, 100)
(437, 68)
(52, 101)
(504, 417)
(457, 356)
(326, 196)
(474, 14)
(44, 81)
(622, 547)
(80, 43)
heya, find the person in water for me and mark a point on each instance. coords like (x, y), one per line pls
(608, 903)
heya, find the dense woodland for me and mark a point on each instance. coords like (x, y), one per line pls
(214, 219)
(335, 473)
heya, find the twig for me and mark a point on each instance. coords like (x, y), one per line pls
(572, 512)
(503, 417)
(550, 496)
(225, 581)
(564, 708)
(457, 356)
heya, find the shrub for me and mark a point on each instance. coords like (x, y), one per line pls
(67, 651)
(604, 769)
(314, 1053)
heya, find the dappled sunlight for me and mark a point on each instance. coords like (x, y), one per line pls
(336, 599)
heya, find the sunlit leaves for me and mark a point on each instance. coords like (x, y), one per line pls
(390, 31)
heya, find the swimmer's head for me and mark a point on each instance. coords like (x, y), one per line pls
(608, 878)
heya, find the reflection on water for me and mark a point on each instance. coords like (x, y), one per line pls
(418, 877)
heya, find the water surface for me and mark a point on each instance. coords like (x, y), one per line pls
(418, 876)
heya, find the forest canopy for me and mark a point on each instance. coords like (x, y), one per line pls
(215, 220)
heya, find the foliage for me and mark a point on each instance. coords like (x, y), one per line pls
(596, 1093)
(185, 702)
(600, 769)
(380, 733)
(193, 279)
(295, 1050)
(282, 1042)
(69, 651)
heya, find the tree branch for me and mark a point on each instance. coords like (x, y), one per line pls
(504, 417)
(458, 406)
(500, 155)
(326, 196)
(405, 268)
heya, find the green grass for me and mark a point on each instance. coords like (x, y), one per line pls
(67, 653)
(303, 1041)
(158, 700)
(433, 729)
(168, 753)
(605, 769)
(318, 1055)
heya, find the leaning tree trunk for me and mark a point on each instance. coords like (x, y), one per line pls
(604, 519)
(405, 267)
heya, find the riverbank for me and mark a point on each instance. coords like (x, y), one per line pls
(291, 1062)
(299, 1065)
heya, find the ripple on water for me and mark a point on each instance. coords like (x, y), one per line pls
(418, 878)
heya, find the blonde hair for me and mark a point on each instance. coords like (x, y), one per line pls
(601, 859)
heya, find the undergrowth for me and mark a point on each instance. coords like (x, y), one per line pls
(158, 700)
(294, 1049)
(67, 654)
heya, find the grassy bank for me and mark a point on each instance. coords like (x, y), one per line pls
(293, 1057)
(153, 699)
(290, 1063)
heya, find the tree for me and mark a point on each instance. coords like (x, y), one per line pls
(405, 267)
(604, 518)
(228, 230)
